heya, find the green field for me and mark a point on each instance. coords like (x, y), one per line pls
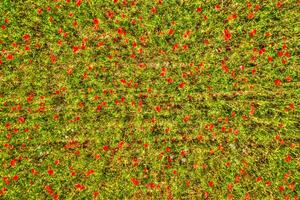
(153, 99)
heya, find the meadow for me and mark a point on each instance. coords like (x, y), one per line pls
(152, 99)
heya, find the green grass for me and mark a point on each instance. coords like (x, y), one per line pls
(149, 99)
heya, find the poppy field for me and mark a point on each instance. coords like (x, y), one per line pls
(153, 99)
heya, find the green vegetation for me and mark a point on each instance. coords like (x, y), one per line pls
(160, 99)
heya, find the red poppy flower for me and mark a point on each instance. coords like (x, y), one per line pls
(10, 57)
(53, 58)
(262, 51)
(27, 48)
(96, 21)
(292, 106)
(26, 37)
(247, 196)
(211, 183)
(121, 143)
(98, 156)
(175, 46)
(135, 181)
(283, 61)
(183, 152)
(227, 35)
(199, 10)
(73, 173)
(49, 190)
(121, 31)
(171, 32)
(75, 49)
(55, 196)
(258, 179)
(279, 4)
(252, 33)
(277, 82)
(291, 186)
(110, 14)
(78, 2)
(181, 85)
(206, 42)
(21, 119)
(90, 172)
(168, 149)
(13, 162)
(268, 34)
(6, 180)
(288, 158)
(237, 179)
(270, 58)
(154, 10)
(186, 118)
(249, 5)
(251, 15)
(79, 186)
(280, 53)
(106, 148)
(15, 177)
(281, 188)
(185, 47)
(158, 108)
(287, 54)
(56, 117)
(230, 186)
(50, 172)
(231, 17)
(170, 80)
(33, 171)
(95, 195)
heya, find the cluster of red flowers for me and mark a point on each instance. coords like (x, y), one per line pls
(151, 89)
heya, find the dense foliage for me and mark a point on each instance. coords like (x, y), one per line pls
(153, 99)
